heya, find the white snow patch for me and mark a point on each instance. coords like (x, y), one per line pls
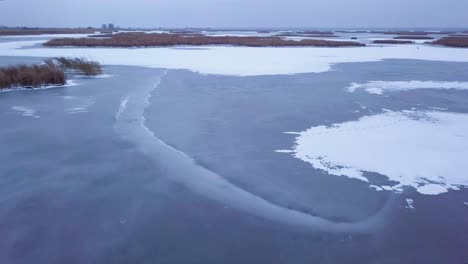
(292, 133)
(375, 187)
(241, 60)
(388, 188)
(432, 189)
(425, 150)
(379, 87)
(409, 204)
(284, 151)
(25, 111)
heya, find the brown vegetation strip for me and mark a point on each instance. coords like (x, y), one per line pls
(413, 37)
(392, 41)
(458, 42)
(31, 76)
(161, 40)
(184, 32)
(24, 32)
(84, 66)
(51, 72)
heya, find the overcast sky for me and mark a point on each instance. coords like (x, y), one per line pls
(235, 13)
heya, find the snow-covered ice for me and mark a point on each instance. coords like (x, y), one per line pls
(425, 150)
(379, 87)
(419, 149)
(245, 61)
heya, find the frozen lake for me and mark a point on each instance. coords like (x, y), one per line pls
(151, 165)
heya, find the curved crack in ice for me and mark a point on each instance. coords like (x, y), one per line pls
(130, 124)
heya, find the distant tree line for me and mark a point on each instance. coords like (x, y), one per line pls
(109, 26)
